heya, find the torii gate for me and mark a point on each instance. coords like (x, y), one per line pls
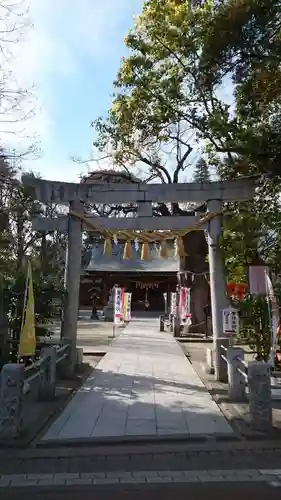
(143, 195)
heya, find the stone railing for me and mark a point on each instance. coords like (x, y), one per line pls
(250, 380)
(165, 321)
(16, 381)
(171, 323)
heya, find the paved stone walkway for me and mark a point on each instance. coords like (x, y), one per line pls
(143, 387)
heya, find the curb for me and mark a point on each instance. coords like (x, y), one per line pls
(135, 440)
(57, 480)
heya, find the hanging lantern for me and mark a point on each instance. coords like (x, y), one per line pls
(180, 251)
(107, 248)
(145, 251)
(128, 250)
(236, 290)
(164, 250)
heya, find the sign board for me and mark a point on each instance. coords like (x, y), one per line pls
(230, 321)
(257, 282)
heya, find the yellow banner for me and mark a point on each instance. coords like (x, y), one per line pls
(27, 343)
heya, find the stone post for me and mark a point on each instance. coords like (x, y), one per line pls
(208, 366)
(260, 405)
(73, 274)
(171, 322)
(236, 381)
(217, 274)
(220, 366)
(176, 326)
(79, 357)
(11, 387)
(48, 369)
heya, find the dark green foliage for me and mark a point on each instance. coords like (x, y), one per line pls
(201, 171)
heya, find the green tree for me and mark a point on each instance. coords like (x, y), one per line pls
(169, 101)
(247, 55)
(201, 171)
(19, 242)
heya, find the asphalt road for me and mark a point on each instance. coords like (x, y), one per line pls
(214, 491)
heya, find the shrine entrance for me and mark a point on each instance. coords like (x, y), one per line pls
(147, 296)
(147, 280)
(213, 194)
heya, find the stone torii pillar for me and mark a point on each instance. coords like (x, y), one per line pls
(219, 299)
(72, 288)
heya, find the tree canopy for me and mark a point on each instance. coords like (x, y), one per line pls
(205, 76)
(170, 91)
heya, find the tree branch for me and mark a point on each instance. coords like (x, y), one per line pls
(157, 167)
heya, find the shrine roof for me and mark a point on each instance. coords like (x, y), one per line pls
(96, 261)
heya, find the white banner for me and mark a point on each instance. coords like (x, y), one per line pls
(184, 305)
(274, 311)
(117, 306)
(128, 307)
(174, 303)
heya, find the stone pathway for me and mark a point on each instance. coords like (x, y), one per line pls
(143, 387)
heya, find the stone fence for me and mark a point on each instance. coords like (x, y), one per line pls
(172, 323)
(16, 381)
(250, 381)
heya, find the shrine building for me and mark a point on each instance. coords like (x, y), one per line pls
(147, 280)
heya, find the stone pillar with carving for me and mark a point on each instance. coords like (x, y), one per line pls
(11, 394)
(260, 404)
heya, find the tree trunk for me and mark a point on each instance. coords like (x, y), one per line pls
(195, 269)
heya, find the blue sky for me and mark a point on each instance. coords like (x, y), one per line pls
(69, 58)
(71, 55)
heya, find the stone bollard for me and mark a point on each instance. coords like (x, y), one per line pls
(171, 325)
(48, 369)
(79, 357)
(66, 368)
(209, 364)
(220, 365)
(176, 326)
(162, 324)
(260, 405)
(11, 395)
(236, 381)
